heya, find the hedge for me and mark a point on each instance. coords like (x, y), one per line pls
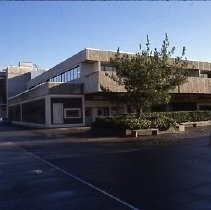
(160, 120)
(181, 116)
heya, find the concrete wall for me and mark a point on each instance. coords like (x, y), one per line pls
(59, 69)
(46, 89)
(37, 92)
(17, 79)
(105, 79)
(88, 59)
(18, 84)
(196, 85)
(91, 76)
(105, 55)
(91, 83)
(102, 55)
(14, 71)
(89, 68)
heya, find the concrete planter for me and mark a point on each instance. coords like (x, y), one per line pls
(154, 131)
(196, 124)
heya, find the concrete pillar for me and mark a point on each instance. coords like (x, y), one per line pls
(47, 111)
(167, 107)
(94, 113)
(99, 65)
(83, 109)
(21, 113)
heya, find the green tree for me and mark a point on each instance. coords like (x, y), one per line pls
(148, 76)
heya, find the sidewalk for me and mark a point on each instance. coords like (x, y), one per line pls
(85, 134)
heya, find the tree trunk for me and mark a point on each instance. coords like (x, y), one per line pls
(140, 111)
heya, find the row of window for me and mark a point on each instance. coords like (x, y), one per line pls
(193, 73)
(107, 67)
(67, 76)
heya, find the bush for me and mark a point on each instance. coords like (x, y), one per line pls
(163, 123)
(122, 123)
(181, 116)
(160, 120)
(137, 123)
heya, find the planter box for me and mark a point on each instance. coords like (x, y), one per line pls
(144, 132)
(180, 128)
(154, 131)
(195, 124)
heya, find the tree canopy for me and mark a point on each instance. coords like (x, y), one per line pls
(149, 76)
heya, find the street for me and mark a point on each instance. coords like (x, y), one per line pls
(64, 169)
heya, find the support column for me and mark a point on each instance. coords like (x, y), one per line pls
(47, 111)
(167, 107)
(21, 113)
(83, 109)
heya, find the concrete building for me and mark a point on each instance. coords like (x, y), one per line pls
(13, 81)
(70, 94)
(3, 93)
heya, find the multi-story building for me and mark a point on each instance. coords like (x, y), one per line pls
(13, 81)
(70, 93)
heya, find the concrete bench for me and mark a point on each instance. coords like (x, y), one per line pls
(203, 123)
(196, 124)
(180, 128)
(189, 124)
(144, 132)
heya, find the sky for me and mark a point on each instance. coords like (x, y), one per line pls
(48, 32)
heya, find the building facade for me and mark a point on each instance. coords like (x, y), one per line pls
(70, 93)
(13, 81)
(3, 94)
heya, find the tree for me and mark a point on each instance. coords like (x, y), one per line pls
(148, 76)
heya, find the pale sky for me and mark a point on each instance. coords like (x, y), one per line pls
(47, 33)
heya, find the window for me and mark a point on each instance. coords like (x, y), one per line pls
(78, 73)
(58, 78)
(99, 112)
(74, 73)
(72, 113)
(205, 107)
(67, 76)
(107, 67)
(63, 77)
(103, 111)
(52, 79)
(113, 111)
(87, 113)
(205, 74)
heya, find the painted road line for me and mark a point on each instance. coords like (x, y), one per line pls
(78, 179)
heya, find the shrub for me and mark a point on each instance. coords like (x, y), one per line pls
(181, 116)
(122, 123)
(160, 120)
(137, 123)
(163, 123)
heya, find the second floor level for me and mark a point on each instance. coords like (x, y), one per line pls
(91, 67)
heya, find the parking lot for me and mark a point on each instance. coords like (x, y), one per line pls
(69, 169)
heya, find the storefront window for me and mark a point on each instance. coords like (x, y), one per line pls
(72, 113)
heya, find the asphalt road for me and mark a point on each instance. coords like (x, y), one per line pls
(63, 169)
